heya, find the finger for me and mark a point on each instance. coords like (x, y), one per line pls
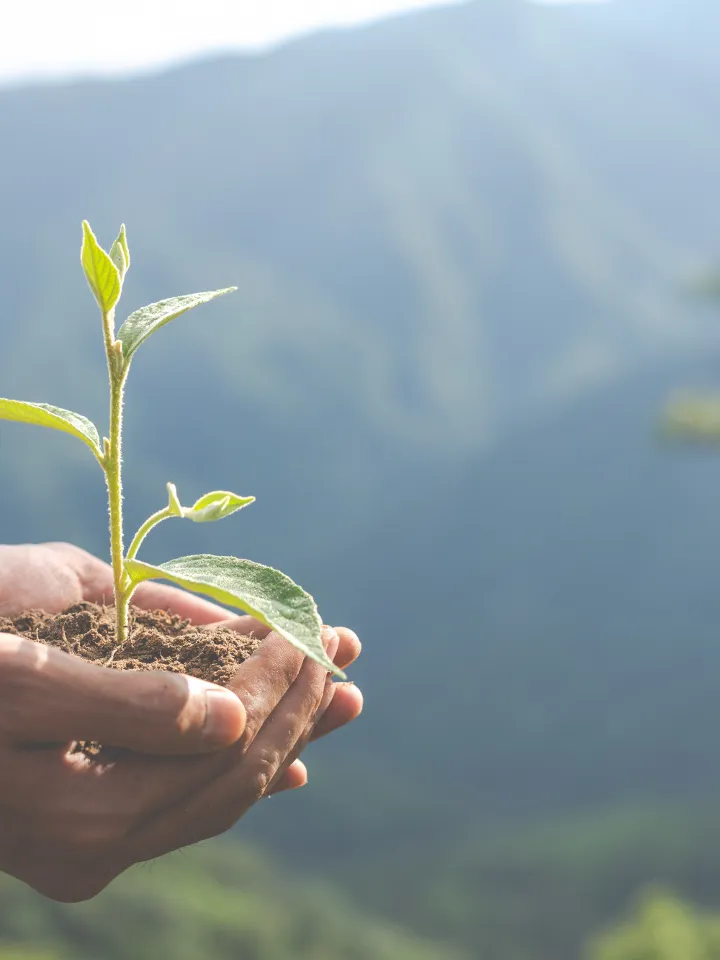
(51, 696)
(349, 649)
(264, 679)
(158, 786)
(247, 626)
(215, 808)
(293, 778)
(346, 706)
(282, 736)
(304, 737)
(161, 596)
(33, 575)
(155, 783)
(94, 576)
(342, 703)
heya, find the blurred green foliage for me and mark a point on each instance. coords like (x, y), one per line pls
(529, 893)
(524, 891)
(693, 418)
(220, 901)
(663, 928)
(25, 953)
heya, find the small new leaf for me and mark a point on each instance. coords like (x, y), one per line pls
(261, 591)
(120, 253)
(100, 271)
(213, 506)
(173, 501)
(145, 321)
(44, 415)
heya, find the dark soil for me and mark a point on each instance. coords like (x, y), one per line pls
(157, 640)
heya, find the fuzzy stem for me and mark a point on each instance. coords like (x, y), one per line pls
(145, 529)
(117, 371)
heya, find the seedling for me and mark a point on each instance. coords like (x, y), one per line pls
(261, 591)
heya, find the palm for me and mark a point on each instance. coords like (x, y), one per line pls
(53, 576)
(67, 827)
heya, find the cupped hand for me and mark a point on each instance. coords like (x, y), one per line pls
(191, 758)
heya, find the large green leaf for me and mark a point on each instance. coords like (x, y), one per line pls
(145, 321)
(261, 591)
(43, 415)
(100, 271)
(212, 506)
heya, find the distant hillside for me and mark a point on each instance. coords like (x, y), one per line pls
(568, 635)
(439, 226)
(460, 239)
(436, 224)
(215, 902)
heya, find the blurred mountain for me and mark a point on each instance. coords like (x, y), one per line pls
(437, 225)
(461, 239)
(568, 634)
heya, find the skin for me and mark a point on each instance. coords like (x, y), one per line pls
(181, 766)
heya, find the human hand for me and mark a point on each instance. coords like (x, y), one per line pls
(67, 826)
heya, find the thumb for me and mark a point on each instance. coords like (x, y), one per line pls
(47, 695)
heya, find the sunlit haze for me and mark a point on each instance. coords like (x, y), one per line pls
(43, 38)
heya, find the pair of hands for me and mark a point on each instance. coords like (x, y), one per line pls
(191, 758)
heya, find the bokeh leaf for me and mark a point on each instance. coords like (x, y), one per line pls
(44, 415)
(100, 271)
(693, 418)
(261, 591)
(145, 321)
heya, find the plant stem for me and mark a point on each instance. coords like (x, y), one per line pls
(145, 529)
(117, 372)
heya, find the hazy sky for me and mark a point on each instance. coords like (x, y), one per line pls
(69, 37)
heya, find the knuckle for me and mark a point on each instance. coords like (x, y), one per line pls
(314, 697)
(261, 774)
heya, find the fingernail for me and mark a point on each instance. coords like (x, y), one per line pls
(224, 718)
(331, 640)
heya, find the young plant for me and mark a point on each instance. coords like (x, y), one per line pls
(261, 591)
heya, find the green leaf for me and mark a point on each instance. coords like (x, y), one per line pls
(145, 321)
(120, 253)
(43, 415)
(213, 506)
(216, 506)
(100, 271)
(261, 591)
